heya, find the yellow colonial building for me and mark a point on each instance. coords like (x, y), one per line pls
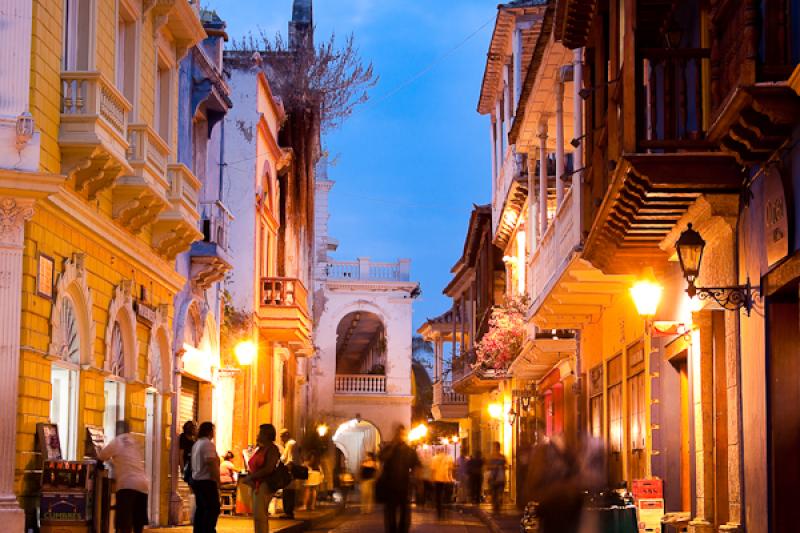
(94, 210)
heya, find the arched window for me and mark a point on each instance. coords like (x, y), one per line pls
(71, 349)
(117, 351)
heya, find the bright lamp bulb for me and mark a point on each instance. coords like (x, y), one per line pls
(245, 352)
(647, 294)
(496, 410)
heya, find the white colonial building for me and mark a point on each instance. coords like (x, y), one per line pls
(361, 375)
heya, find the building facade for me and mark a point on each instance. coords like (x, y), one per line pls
(360, 376)
(93, 257)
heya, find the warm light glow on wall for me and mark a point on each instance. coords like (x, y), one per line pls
(496, 410)
(190, 353)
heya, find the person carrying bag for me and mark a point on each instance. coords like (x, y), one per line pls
(263, 466)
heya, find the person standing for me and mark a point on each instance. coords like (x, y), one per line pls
(400, 462)
(288, 457)
(442, 479)
(261, 465)
(205, 480)
(497, 477)
(312, 484)
(185, 443)
(462, 476)
(127, 458)
(475, 475)
(369, 470)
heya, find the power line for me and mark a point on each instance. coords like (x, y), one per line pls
(419, 74)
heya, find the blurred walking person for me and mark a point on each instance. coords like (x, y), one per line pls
(462, 476)
(313, 483)
(442, 478)
(475, 477)
(127, 459)
(367, 475)
(205, 480)
(497, 477)
(400, 462)
(289, 456)
(261, 465)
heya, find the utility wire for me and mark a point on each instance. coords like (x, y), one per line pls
(427, 68)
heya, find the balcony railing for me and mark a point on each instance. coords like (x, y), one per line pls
(672, 107)
(216, 221)
(176, 228)
(366, 270)
(90, 94)
(561, 237)
(509, 170)
(283, 292)
(360, 384)
(443, 394)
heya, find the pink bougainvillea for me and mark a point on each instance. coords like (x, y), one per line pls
(505, 337)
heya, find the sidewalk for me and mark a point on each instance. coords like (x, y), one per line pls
(506, 522)
(305, 520)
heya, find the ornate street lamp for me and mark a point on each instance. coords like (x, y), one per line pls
(512, 416)
(690, 247)
(245, 352)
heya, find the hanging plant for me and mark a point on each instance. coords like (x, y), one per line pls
(503, 342)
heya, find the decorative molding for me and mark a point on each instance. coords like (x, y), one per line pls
(73, 284)
(159, 369)
(121, 311)
(13, 214)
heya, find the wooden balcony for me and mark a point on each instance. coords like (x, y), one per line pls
(175, 229)
(210, 260)
(448, 404)
(469, 380)
(140, 197)
(93, 131)
(283, 310)
(672, 104)
(360, 384)
(647, 196)
(509, 197)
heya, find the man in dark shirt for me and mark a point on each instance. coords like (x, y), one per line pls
(399, 462)
(185, 443)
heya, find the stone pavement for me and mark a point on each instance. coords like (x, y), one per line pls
(423, 521)
(506, 522)
(244, 524)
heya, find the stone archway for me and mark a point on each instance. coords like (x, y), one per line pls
(361, 344)
(356, 438)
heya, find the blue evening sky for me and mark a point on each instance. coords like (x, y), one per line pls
(409, 163)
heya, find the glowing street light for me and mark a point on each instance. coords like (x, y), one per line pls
(322, 430)
(245, 352)
(647, 293)
(496, 410)
(417, 433)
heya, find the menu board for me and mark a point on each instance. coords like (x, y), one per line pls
(49, 443)
(95, 438)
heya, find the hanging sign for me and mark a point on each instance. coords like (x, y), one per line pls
(776, 225)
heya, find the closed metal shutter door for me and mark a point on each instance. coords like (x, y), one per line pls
(190, 394)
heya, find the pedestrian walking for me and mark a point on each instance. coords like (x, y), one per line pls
(289, 457)
(367, 475)
(475, 475)
(424, 486)
(497, 477)
(462, 476)
(313, 483)
(442, 479)
(205, 480)
(261, 465)
(127, 459)
(399, 462)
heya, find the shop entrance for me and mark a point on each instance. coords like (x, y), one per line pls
(783, 397)
(355, 438)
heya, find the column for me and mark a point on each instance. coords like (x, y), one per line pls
(499, 142)
(507, 109)
(702, 408)
(13, 214)
(533, 205)
(543, 177)
(577, 120)
(16, 58)
(516, 46)
(559, 143)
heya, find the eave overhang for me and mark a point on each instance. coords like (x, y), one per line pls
(539, 356)
(512, 210)
(574, 21)
(648, 194)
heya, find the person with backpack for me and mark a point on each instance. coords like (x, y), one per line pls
(205, 480)
(262, 465)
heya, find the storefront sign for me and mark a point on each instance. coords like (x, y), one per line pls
(66, 506)
(648, 494)
(776, 226)
(145, 313)
(44, 277)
